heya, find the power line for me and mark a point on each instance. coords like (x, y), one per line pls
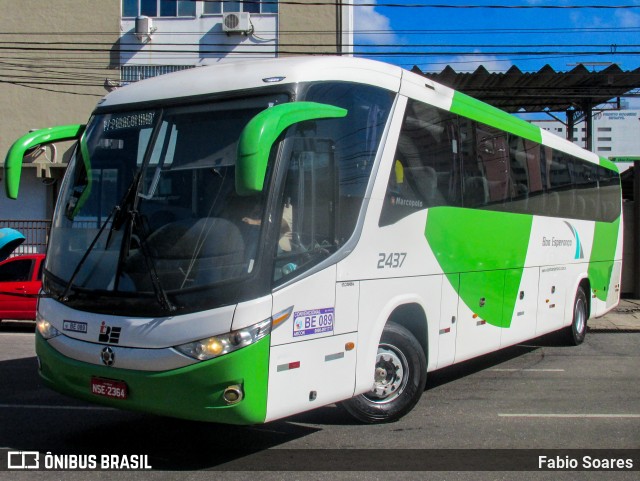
(439, 5)
(307, 44)
(446, 31)
(20, 84)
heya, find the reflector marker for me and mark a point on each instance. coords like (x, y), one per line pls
(445, 330)
(333, 357)
(289, 366)
(280, 317)
(481, 322)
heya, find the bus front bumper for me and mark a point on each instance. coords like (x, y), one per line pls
(194, 392)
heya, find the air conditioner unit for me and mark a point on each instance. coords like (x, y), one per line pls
(144, 28)
(236, 22)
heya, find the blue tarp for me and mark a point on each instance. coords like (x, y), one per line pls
(10, 239)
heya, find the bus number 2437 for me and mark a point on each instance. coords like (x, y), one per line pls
(391, 260)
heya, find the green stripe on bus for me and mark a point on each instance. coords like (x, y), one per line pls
(606, 163)
(470, 240)
(605, 240)
(481, 112)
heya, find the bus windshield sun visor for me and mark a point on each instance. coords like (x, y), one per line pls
(22, 146)
(263, 130)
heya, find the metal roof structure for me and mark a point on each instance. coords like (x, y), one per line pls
(543, 91)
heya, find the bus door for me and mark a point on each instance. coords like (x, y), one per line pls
(312, 357)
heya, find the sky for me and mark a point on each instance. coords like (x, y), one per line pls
(528, 38)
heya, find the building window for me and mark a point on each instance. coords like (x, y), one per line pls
(604, 149)
(604, 129)
(604, 139)
(129, 8)
(158, 8)
(240, 6)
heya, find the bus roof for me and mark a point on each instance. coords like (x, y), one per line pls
(242, 75)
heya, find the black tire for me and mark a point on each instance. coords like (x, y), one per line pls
(576, 332)
(401, 375)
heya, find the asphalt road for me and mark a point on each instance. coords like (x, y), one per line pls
(541, 395)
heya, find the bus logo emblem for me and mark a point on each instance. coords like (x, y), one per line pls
(109, 334)
(108, 356)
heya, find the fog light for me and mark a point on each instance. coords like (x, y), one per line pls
(233, 394)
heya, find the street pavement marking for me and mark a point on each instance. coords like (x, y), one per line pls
(42, 406)
(527, 370)
(570, 415)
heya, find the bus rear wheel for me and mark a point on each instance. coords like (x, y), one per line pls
(577, 331)
(399, 378)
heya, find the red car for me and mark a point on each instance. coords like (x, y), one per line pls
(20, 275)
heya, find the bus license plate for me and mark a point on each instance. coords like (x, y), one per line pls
(109, 388)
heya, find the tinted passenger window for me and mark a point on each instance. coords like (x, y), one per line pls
(443, 159)
(355, 139)
(329, 164)
(425, 172)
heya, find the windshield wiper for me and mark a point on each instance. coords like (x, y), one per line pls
(120, 213)
(161, 293)
(64, 296)
(118, 220)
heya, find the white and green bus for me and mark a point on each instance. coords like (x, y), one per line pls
(243, 242)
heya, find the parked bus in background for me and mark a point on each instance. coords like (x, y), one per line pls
(244, 242)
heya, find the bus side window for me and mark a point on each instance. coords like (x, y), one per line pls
(475, 188)
(492, 151)
(425, 172)
(307, 224)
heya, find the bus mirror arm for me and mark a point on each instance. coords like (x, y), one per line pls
(262, 131)
(17, 152)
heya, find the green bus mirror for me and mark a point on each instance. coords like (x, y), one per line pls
(263, 130)
(15, 156)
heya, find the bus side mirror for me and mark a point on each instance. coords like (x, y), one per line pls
(15, 156)
(263, 130)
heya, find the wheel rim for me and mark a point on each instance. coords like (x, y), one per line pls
(391, 375)
(580, 316)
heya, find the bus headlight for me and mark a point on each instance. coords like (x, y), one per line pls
(45, 328)
(225, 343)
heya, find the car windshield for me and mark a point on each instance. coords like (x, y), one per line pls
(149, 202)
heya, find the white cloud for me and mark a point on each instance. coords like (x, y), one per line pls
(626, 18)
(469, 63)
(370, 26)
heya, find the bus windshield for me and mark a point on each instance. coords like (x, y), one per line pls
(149, 201)
(150, 205)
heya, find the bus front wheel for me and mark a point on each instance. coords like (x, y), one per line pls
(577, 331)
(399, 379)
